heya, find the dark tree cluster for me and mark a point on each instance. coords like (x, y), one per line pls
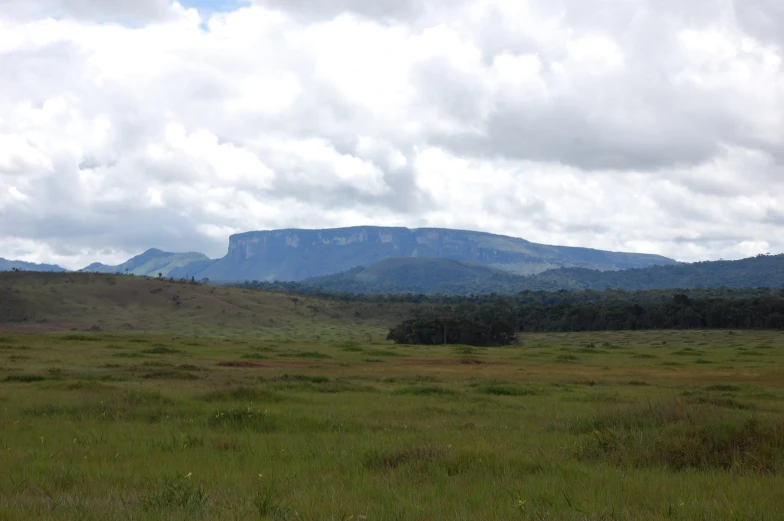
(680, 313)
(453, 330)
(495, 320)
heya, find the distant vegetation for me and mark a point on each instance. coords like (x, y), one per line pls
(494, 321)
(473, 330)
(44, 300)
(439, 276)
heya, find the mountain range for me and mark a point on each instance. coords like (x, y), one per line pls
(369, 259)
(10, 265)
(441, 276)
(298, 254)
(154, 261)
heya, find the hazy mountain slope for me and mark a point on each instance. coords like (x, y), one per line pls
(9, 265)
(154, 261)
(296, 254)
(406, 275)
(761, 271)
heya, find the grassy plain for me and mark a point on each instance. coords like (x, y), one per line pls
(192, 402)
(613, 426)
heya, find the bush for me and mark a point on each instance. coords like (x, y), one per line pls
(453, 330)
(25, 378)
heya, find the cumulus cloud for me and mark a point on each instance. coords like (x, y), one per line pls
(115, 10)
(647, 126)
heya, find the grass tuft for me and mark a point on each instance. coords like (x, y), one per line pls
(179, 492)
(161, 350)
(509, 390)
(376, 459)
(246, 394)
(246, 418)
(679, 435)
(428, 390)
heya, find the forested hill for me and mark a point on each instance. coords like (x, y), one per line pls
(442, 278)
(754, 272)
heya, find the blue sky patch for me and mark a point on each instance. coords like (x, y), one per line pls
(214, 5)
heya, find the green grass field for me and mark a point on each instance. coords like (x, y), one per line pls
(276, 424)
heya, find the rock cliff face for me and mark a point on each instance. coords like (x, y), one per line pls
(296, 254)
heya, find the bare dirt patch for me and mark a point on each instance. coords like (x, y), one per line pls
(461, 361)
(271, 364)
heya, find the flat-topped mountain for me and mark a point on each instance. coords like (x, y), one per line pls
(296, 254)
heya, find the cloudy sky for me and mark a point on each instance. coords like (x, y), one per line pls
(634, 125)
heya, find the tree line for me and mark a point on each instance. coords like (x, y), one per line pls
(494, 321)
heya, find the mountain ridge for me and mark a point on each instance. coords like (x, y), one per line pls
(10, 265)
(759, 271)
(154, 261)
(295, 254)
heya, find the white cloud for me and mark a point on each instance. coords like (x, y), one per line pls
(646, 126)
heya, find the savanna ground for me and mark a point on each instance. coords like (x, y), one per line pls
(684, 425)
(132, 398)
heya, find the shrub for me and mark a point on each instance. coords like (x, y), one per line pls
(161, 350)
(25, 378)
(429, 390)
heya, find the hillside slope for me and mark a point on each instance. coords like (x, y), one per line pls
(295, 254)
(760, 271)
(63, 301)
(753, 272)
(406, 275)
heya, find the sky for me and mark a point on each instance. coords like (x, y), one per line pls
(628, 125)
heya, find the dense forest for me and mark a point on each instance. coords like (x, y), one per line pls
(490, 310)
(438, 276)
(494, 320)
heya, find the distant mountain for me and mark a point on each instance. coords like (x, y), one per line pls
(154, 261)
(405, 275)
(10, 265)
(754, 272)
(434, 276)
(296, 254)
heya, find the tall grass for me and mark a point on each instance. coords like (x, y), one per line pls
(611, 435)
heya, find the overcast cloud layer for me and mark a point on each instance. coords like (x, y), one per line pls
(645, 125)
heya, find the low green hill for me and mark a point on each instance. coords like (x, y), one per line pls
(31, 301)
(439, 276)
(405, 275)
